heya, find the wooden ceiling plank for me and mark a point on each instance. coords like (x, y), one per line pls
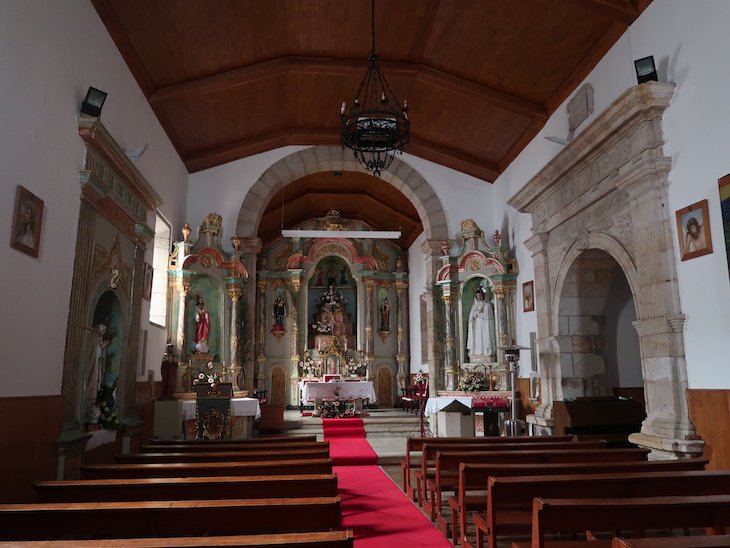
(476, 167)
(121, 39)
(320, 66)
(623, 11)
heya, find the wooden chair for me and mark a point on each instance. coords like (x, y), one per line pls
(415, 398)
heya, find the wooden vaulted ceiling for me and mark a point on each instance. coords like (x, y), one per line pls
(231, 78)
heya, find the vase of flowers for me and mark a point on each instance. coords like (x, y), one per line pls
(353, 367)
(207, 375)
(472, 382)
(308, 367)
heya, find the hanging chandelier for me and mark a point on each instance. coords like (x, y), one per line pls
(375, 128)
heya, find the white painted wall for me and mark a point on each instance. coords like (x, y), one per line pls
(689, 41)
(50, 52)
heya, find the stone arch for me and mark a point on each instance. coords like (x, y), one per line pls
(607, 190)
(328, 158)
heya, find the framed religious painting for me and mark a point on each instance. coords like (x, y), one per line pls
(724, 183)
(693, 231)
(528, 296)
(25, 234)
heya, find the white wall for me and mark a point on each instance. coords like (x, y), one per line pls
(50, 52)
(689, 41)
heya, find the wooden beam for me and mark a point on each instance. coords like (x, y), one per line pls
(476, 167)
(322, 66)
(622, 11)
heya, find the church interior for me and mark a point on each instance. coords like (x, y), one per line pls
(201, 221)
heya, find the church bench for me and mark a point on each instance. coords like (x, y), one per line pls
(507, 497)
(244, 442)
(473, 477)
(228, 487)
(696, 541)
(183, 469)
(580, 516)
(427, 467)
(199, 447)
(446, 470)
(213, 456)
(415, 445)
(138, 519)
(323, 539)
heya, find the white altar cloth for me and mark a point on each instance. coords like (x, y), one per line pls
(436, 404)
(240, 407)
(338, 390)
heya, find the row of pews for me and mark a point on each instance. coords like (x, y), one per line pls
(555, 491)
(255, 493)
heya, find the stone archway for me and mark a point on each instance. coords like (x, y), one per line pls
(329, 158)
(607, 190)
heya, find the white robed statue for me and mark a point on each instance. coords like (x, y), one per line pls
(480, 340)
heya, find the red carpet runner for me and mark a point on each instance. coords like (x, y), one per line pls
(378, 512)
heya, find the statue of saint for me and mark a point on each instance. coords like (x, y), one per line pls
(202, 326)
(385, 315)
(279, 312)
(480, 331)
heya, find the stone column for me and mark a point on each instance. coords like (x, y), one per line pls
(294, 287)
(261, 341)
(432, 249)
(369, 319)
(249, 249)
(183, 287)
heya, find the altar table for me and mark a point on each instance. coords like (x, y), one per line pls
(243, 412)
(337, 390)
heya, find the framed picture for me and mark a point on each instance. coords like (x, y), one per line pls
(528, 296)
(693, 230)
(25, 234)
(147, 282)
(724, 183)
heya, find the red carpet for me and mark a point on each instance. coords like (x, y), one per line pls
(348, 446)
(380, 514)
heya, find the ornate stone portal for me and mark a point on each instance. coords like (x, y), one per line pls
(607, 190)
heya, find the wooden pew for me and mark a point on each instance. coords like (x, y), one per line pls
(247, 441)
(138, 519)
(184, 469)
(624, 514)
(193, 488)
(446, 476)
(474, 477)
(415, 445)
(507, 497)
(198, 447)
(696, 541)
(427, 467)
(323, 539)
(240, 456)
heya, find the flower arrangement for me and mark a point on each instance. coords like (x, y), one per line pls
(332, 297)
(338, 409)
(308, 367)
(324, 327)
(353, 367)
(108, 419)
(472, 382)
(419, 378)
(207, 376)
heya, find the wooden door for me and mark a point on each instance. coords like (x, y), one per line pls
(384, 387)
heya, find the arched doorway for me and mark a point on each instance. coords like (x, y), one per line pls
(599, 346)
(384, 387)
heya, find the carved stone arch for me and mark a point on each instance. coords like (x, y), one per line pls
(328, 158)
(606, 191)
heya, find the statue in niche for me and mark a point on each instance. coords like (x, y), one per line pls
(279, 311)
(480, 341)
(202, 326)
(385, 315)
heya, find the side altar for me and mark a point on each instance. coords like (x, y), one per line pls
(206, 305)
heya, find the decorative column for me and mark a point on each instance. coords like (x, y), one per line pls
(401, 319)
(369, 325)
(234, 292)
(451, 365)
(249, 249)
(432, 251)
(261, 323)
